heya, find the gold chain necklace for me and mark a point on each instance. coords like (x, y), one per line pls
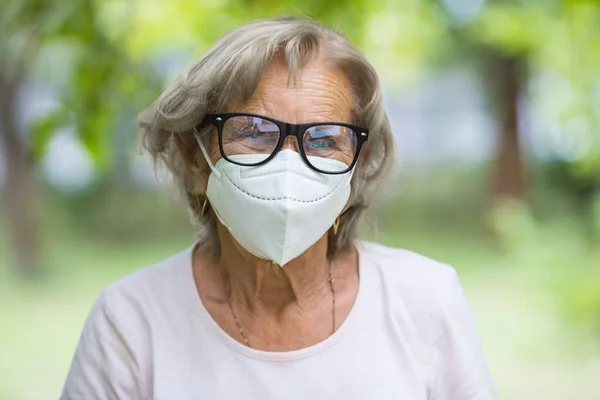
(239, 326)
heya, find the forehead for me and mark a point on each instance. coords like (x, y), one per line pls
(321, 93)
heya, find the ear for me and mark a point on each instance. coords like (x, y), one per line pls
(196, 165)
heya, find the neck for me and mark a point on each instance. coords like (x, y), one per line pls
(260, 283)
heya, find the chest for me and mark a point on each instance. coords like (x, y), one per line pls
(355, 368)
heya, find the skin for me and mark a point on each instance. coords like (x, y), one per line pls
(289, 308)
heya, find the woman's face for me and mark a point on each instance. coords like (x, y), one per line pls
(323, 94)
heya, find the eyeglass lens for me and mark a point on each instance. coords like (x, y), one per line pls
(254, 135)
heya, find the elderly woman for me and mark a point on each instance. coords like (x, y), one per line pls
(279, 139)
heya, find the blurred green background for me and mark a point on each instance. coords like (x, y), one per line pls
(495, 106)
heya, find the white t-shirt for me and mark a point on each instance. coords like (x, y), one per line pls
(410, 335)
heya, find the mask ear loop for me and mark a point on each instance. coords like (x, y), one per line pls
(205, 154)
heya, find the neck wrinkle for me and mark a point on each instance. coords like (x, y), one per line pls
(258, 285)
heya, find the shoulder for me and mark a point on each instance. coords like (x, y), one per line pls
(114, 355)
(418, 290)
(156, 286)
(408, 269)
(426, 299)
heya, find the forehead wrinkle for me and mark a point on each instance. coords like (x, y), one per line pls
(329, 103)
(257, 105)
(321, 94)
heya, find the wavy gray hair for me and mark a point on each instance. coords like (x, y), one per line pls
(226, 76)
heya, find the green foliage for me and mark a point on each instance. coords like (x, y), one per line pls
(562, 252)
(43, 128)
(560, 38)
(102, 76)
(582, 298)
(516, 28)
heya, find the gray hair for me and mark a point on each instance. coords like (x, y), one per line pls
(226, 76)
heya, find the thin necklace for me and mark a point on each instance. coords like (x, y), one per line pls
(331, 285)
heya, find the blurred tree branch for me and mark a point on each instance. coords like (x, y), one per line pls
(512, 38)
(100, 66)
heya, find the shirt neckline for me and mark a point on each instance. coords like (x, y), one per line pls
(351, 319)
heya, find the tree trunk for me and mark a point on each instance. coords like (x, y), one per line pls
(508, 179)
(19, 187)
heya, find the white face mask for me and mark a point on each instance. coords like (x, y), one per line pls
(277, 210)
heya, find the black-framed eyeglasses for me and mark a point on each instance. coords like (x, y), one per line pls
(244, 134)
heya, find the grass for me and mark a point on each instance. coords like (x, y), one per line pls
(531, 351)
